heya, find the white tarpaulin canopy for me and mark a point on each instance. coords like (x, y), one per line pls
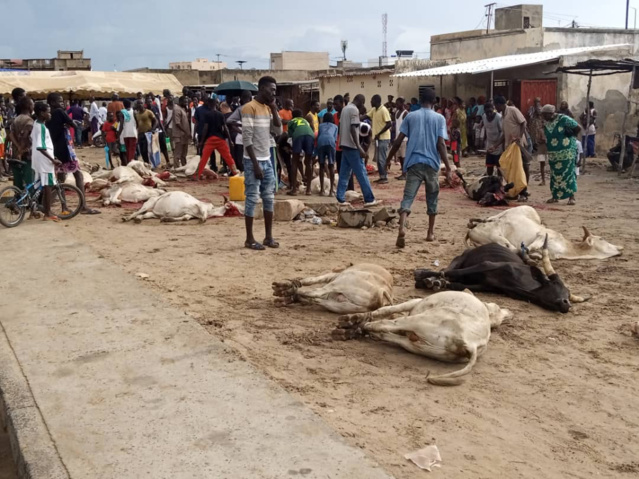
(86, 83)
(508, 61)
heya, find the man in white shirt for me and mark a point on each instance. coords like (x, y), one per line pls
(102, 113)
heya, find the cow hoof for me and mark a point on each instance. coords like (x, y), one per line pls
(349, 321)
(437, 285)
(284, 301)
(285, 288)
(137, 220)
(346, 334)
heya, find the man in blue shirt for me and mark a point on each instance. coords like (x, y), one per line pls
(425, 150)
(329, 109)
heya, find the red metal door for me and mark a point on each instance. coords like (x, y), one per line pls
(531, 89)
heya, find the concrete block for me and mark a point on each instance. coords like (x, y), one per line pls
(286, 210)
(383, 215)
(355, 219)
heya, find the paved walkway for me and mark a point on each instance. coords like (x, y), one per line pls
(102, 379)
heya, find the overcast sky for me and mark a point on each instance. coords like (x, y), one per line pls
(125, 34)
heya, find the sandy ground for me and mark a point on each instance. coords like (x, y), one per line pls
(555, 396)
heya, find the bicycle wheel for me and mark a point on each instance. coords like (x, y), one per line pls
(66, 201)
(12, 211)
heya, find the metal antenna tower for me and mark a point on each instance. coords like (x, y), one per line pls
(384, 32)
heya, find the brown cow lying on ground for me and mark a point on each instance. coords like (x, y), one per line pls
(451, 326)
(357, 289)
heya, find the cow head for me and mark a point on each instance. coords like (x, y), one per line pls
(597, 247)
(553, 293)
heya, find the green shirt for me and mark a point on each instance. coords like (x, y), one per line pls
(299, 127)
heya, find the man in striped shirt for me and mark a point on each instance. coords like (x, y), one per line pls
(260, 117)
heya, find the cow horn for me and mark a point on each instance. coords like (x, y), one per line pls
(586, 233)
(545, 257)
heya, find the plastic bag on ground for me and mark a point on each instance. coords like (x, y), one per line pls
(426, 458)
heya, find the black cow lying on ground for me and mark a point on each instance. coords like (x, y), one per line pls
(494, 268)
(487, 190)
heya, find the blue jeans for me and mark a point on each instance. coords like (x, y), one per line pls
(352, 163)
(415, 175)
(381, 152)
(589, 146)
(255, 189)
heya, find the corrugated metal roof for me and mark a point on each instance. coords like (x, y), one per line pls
(509, 61)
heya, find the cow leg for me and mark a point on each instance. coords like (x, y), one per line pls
(349, 325)
(288, 288)
(326, 297)
(168, 219)
(351, 320)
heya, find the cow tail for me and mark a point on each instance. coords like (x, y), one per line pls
(467, 241)
(454, 379)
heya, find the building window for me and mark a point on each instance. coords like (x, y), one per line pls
(362, 86)
(526, 22)
(379, 83)
(349, 79)
(390, 82)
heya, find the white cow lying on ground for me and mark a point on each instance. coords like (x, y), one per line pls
(180, 206)
(191, 167)
(315, 185)
(523, 225)
(88, 179)
(128, 193)
(451, 326)
(356, 289)
(125, 174)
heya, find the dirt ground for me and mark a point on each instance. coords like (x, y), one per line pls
(555, 396)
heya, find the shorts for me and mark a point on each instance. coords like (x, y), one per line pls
(415, 175)
(255, 189)
(326, 153)
(401, 153)
(46, 179)
(22, 174)
(541, 157)
(303, 144)
(492, 159)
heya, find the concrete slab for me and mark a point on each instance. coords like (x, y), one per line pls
(126, 386)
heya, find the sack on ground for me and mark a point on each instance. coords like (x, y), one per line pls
(512, 167)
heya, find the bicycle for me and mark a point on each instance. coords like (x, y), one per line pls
(66, 201)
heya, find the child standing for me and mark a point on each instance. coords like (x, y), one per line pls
(326, 141)
(42, 159)
(110, 131)
(455, 142)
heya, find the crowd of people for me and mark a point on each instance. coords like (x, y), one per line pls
(276, 145)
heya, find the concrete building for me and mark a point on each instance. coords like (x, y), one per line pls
(518, 60)
(200, 64)
(367, 81)
(65, 60)
(299, 61)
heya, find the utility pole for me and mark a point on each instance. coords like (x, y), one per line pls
(218, 55)
(489, 14)
(384, 33)
(627, 14)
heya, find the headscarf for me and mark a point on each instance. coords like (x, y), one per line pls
(548, 109)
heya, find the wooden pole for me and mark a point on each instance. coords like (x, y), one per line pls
(587, 119)
(622, 156)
